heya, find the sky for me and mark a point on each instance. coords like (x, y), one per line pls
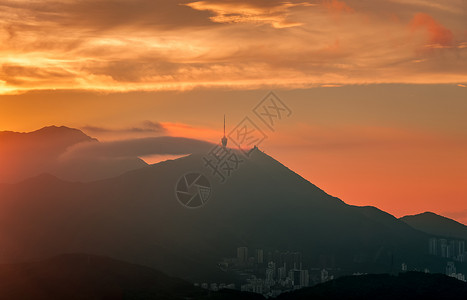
(377, 89)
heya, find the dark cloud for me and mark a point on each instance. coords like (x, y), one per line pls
(147, 126)
(133, 70)
(104, 15)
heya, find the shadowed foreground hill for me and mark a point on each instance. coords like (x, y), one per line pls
(82, 276)
(411, 285)
(434, 224)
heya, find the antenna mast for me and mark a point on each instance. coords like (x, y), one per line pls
(224, 139)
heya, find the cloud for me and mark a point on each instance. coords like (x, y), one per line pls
(438, 35)
(273, 13)
(133, 148)
(142, 45)
(97, 160)
(337, 6)
(147, 127)
(71, 155)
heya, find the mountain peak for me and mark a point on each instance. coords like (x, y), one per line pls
(48, 132)
(435, 224)
(61, 130)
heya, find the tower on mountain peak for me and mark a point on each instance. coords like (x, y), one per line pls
(224, 139)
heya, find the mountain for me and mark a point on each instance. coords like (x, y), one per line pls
(83, 276)
(25, 155)
(434, 224)
(411, 285)
(136, 217)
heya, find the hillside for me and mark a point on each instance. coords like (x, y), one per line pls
(83, 276)
(29, 154)
(136, 217)
(437, 225)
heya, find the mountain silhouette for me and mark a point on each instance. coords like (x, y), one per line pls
(25, 155)
(83, 276)
(434, 224)
(136, 217)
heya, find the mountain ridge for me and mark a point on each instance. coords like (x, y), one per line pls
(136, 217)
(85, 276)
(435, 224)
(263, 204)
(29, 154)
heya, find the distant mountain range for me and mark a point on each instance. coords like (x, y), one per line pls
(437, 225)
(136, 217)
(25, 155)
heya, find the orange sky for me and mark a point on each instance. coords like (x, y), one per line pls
(377, 88)
(175, 45)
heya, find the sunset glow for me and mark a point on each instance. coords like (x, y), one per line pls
(215, 44)
(377, 91)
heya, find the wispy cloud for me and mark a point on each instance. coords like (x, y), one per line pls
(132, 148)
(146, 127)
(166, 45)
(438, 35)
(273, 13)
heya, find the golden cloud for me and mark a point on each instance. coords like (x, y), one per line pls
(147, 45)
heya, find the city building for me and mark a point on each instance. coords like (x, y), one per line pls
(433, 246)
(404, 267)
(259, 256)
(242, 255)
(300, 278)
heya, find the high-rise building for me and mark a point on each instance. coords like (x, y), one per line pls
(242, 255)
(272, 266)
(452, 249)
(293, 260)
(295, 276)
(297, 260)
(259, 256)
(443, 244)
(433, 246)
(304, 278)
(281, 272)
(270, 277)
(461, 247)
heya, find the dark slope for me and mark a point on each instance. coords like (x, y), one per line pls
(81, 276)
(434, 224)
(136, 217)
(411, 285)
